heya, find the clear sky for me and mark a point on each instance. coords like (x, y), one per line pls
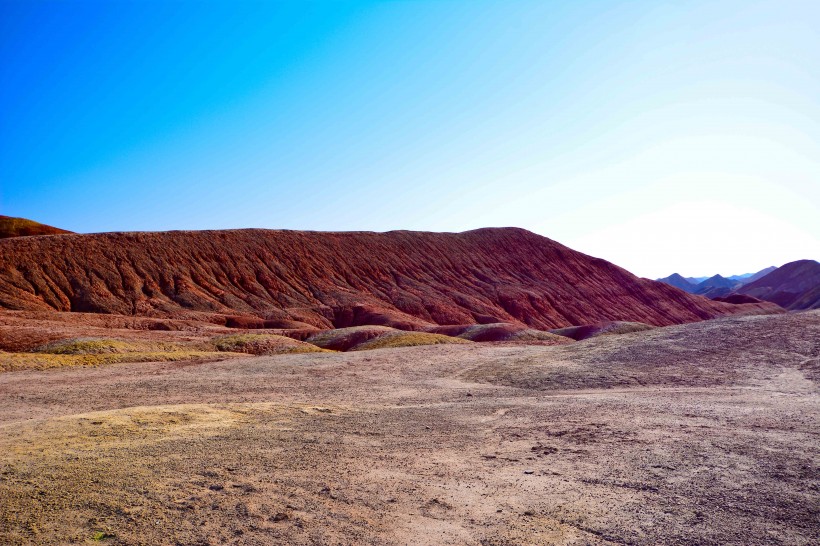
(662, 136)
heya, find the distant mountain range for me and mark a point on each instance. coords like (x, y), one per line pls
(793, 286)
(716, 286)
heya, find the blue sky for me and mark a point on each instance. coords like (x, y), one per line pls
(662, 136)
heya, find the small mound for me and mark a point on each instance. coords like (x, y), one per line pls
(406, 339)
(453, 330)
(256, 323)
(370, 315)
(343, 339)
(500, 331)
(504, 331)
(587, 331)
(738, 299)
(287, 324)
(244, 323)
(542, 338)
(263, 344)
(22, 227)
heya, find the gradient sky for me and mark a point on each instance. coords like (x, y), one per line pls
(662, 136)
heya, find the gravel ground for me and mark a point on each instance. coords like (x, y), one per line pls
(705, 433)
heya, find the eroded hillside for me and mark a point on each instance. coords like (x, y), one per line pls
(292, 279)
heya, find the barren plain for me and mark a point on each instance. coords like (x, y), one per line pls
(702, 433)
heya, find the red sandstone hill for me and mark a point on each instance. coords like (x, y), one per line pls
(795, 286)
(19, 227)
(293, 279)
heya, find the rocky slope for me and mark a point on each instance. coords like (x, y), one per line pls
(292, 279)
(794, 286)
(19, 227)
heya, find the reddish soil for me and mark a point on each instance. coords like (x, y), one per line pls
(406, 280)
(21, 227)
(24, 330)
(698, 434)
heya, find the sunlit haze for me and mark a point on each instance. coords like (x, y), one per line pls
(662, 136)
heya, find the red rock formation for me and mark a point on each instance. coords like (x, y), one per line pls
(409, 280)
(21, 227)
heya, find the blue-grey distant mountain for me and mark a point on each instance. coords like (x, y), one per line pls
(696, 280)
(795, 286)
(751, 277)
(715, 286)
(678, 282)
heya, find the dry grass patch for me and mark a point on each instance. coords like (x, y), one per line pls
(126, 427)
(344, 339)
(544, 338)
(503, 331)
(100, 351)
(613, 328)
(264, 344)
(96, 346)
(146, 474)
(406, 339)
(11, 362)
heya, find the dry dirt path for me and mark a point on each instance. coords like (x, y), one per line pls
(697, 434)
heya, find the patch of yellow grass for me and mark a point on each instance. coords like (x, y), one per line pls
(407, 339)
(538, 335)
(95, 346)
(139, 425)
(10, 362)
(128, 427)
(264, 344)
(70, 479)
(330, 336)
(100, 351)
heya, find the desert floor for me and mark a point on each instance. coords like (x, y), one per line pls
(706, 433)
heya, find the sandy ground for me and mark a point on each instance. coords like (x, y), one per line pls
(707, 433)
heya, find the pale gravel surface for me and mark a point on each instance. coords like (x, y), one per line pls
(697, 434)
